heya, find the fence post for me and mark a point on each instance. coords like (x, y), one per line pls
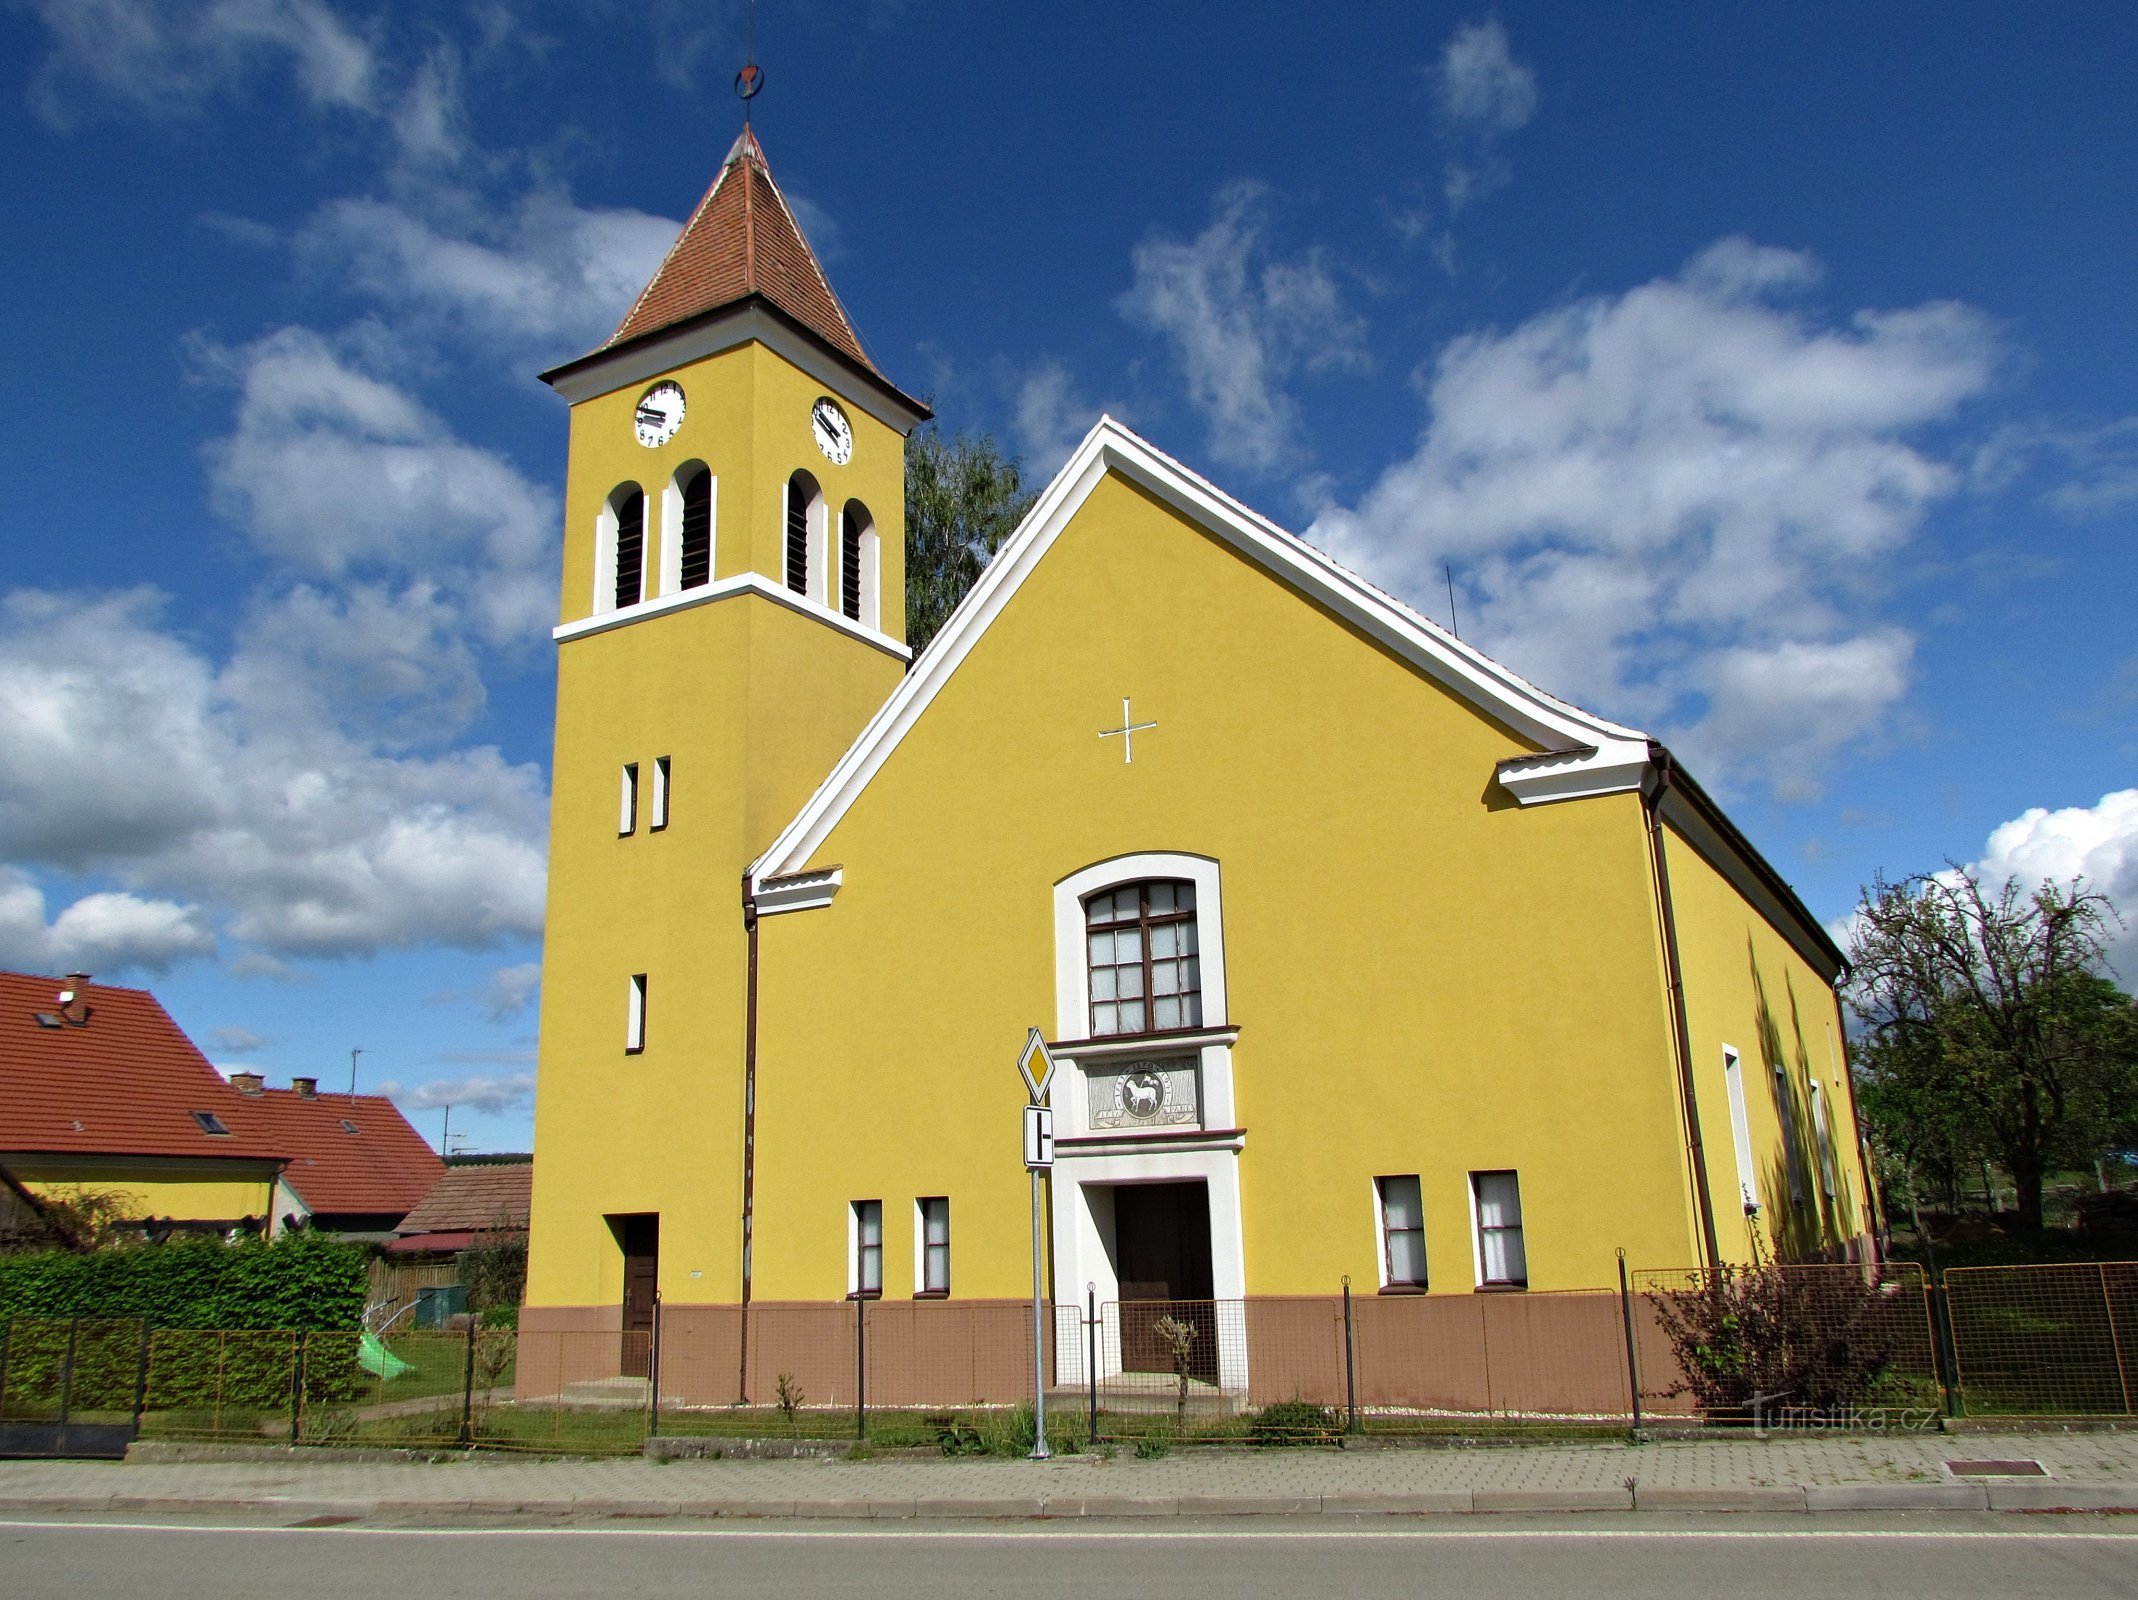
(2115, 1337)
(297, 1387)
(66, 1379)
(1633, 1360)
(1351, 1374)
(141, 1377)
(7, 1330)
(467, 1390)
(861, 1366)
(653, 1371)
(1091, 1362)
(1944, 1347)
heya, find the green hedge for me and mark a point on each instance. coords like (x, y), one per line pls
(302, 1281)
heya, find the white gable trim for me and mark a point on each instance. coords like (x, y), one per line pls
(1605, 755)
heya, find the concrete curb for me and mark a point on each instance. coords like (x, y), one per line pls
(2033, 1496)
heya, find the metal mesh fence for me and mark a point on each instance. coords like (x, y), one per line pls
(1807, 1346)
(2051, 1340)
(85, 1369)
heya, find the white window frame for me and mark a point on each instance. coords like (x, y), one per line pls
(1477, 1228)
(1380, 1231)
(627, 802)
(635, 1015)
(1822, 1134)
(1072, 965)
(854, 1288)
(1733, 1082)
(657, 818)
(922, 1288)
(1792, 1157)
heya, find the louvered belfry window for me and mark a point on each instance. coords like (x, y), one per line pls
(799, 496)
(630, 547)
(851, 523)
(698, 531)
(1146, 975)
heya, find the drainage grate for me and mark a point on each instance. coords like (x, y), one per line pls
(1996, 1469)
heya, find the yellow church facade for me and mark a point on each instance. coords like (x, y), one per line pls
(1359, 956)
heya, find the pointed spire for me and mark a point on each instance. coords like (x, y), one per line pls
(741, 241)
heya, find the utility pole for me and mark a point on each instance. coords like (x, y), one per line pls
(445, 1138)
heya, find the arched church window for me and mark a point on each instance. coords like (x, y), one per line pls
(628, 504)
(803, 502)
(697, 568)
(857, 563)
(1146, 973)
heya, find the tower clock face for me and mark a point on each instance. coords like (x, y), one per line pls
(659, 414)
(835, 435)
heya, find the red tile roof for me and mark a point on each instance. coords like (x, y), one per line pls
(742, 240)
(127, 1083)
(482, 1197)
(383, 1166)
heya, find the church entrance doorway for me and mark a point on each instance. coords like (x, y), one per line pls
(1162, 1261)
(640, 1237)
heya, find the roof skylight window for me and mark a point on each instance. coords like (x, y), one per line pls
(211, 1123)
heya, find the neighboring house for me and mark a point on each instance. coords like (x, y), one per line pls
(23, 1223)
(356, 1166)
(101, 1091)
(477, 1200)
(1362, 957)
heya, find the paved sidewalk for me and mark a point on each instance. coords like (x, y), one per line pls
(2082, 1471)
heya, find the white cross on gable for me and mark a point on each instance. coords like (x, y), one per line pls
(1126, 733)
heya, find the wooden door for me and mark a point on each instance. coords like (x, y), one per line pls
(640, 1237)
(1162, 1255)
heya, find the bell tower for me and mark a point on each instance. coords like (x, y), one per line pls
(733, 613)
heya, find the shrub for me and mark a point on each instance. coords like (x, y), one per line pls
(300, 1282)
(1763, 1341)
(1295, 1422)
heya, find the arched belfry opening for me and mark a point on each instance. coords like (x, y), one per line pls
(620, 542)
(695, 485)
(860, 574)
(804, 573)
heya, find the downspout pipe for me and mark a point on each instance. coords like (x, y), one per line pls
(749, 1127)
(1653, 788)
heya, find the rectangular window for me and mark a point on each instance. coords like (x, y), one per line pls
(1146, 973)
(660, 795)
(1825, 1138)
(1501, 1260)
(635, 1015)
(627, 801)
(1402, 1233)
(932, 1221)
(1733, 1079)
(1792, 1151)
(866, 1220)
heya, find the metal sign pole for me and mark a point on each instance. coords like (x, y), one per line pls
(1038, 1157)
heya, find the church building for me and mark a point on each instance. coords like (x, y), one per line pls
(1359, 956)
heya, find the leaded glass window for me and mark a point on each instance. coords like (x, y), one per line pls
(1146, 974)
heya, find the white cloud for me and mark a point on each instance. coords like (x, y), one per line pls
(97, 933)
(166, 56)
(1483, 94)
(510, 990)
(333, 470)
(238, 1041)
(1050, 419)
(125, 752)
(2098, 843)
(537, 279)
(1242, 323)
(2090, 470)
(494, 1095)
(1675, 503)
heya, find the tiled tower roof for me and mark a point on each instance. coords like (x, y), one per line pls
(742, 241)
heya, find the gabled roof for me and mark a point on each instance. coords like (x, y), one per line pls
(480, 1197)
(1583, 754)
(742, 241)
(384, 1166)
(125, 1083)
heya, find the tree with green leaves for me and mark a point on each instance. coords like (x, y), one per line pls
(1991, 1029)
(964, 497)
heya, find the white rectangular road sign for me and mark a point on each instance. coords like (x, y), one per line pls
(1038, 1136)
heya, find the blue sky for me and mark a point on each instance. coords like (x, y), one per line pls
(1764, 376)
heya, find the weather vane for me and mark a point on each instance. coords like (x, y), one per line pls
(752, 77)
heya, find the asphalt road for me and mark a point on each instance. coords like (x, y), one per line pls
(1956, 1559)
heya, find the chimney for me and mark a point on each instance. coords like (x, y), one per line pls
(247, 1082)
(307, 1088)
(74, 999)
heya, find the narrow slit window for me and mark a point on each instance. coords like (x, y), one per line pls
(1502, 1262)
(627, 801)
(697, 566)
(1402, 1232)
(1823, 1136)
(867, 1220)
(934, 1223)
(659, 819)
(630, 548)
(635, 1015)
